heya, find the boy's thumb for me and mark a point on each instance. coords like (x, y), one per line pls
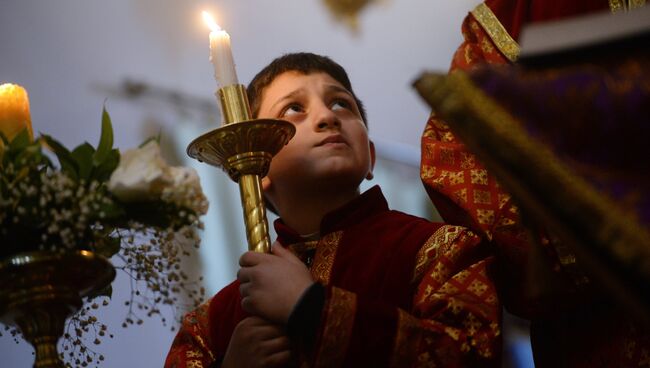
(280, 251)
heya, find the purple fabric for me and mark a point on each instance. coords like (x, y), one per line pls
(595, 117)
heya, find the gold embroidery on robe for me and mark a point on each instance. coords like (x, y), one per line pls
(490, 23)
(193, 354)
(324, 258)
(205, 347)
(430, 250)
(337, 331)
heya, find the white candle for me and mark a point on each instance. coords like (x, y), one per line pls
(221, 54)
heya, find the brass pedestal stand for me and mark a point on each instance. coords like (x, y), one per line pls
(243, 148)
(39, 290)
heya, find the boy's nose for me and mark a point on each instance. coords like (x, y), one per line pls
(327, 119)
(329, 124)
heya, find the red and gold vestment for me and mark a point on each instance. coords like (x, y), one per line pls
(400, 292)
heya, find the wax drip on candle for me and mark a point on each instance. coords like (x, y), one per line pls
(221, 53)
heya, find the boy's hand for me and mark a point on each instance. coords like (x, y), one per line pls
(257, 343)
(271, 284)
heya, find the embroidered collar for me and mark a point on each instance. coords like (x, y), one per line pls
(368, 203)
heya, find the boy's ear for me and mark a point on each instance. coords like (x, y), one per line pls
(373, 157)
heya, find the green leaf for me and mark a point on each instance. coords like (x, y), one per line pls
(111, 211)
(4, 138)
(105, 141)
(152, 138)
(83, 156)
(30, 155)
(103, 172)
(68, 164)
(20, 141)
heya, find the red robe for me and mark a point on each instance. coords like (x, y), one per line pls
(400, 292)
(571, 325)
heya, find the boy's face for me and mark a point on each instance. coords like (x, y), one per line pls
(331, 145)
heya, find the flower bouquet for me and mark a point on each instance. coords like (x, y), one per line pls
(131, 208)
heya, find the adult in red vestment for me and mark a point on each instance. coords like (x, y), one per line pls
(399, 291)
(572, 324)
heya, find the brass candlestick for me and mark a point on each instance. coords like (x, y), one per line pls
(243, 147)
(39, 290)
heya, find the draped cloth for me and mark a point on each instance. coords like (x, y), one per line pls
(566, 142)
(400, 292)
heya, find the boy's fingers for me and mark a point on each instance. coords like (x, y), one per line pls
(283, 252)
(243, 289)
(243, 275)
(250, 259)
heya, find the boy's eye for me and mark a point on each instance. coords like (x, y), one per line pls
(340, 104)
(292, 109)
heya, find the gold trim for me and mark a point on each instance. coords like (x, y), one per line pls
(324, 258)
(626, 5)
(407, 340)
(197, 320)
(337, 331)
(429, 251)
(633, 4)
(490, 23)
(616, 5)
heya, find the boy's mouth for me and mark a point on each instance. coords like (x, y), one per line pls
(334, 138)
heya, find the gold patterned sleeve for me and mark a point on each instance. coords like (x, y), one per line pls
(456, 303)
(453, 321)
(190, 348)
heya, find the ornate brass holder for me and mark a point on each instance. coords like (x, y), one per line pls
(243, 148)
(39, 290)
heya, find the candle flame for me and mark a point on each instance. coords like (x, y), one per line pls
(210, 22)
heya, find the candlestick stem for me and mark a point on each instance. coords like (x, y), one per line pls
(257, 230)
(234, 103)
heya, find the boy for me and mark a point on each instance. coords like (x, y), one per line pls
(349, 282)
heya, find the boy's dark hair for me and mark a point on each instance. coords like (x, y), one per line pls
(302, 62)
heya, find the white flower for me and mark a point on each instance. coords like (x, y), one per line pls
(139, 173)
(143, 174)
(185, 189)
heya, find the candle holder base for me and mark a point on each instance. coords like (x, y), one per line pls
(41, 289)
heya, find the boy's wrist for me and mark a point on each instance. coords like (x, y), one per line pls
(305, 317)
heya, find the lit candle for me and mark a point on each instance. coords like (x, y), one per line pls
(14, 111)
(220, 53)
